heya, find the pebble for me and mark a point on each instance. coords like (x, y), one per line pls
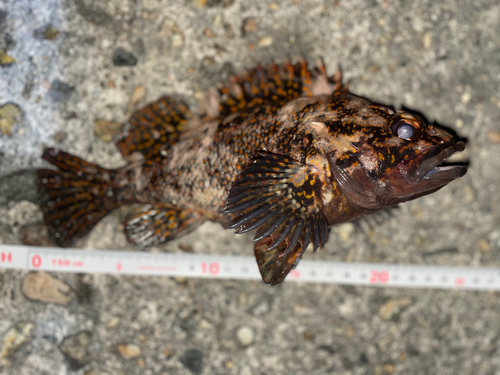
(468, 193)
(242, 299)
(129, 351)
(59, 137)
(228, 31)
(265, 41)
(93, 13)
(105, 130)
(207, 63)
(40, 286)
(345, 231)
(121, 57)
(217, 20)
(6, 60)
(494, 137)
(35, 234)
(180, 279)
(10, 114)
(327, 348)
(215, 3)
(28, 88)
(496, 101)
(205, 325)
(261, 309)
(186, 247)
(309, 335)
(427, 40)
(393, 307)
(245, 336)
(113, 322)
(466, 97)
(208, 33)
(48, 32)
(170, 31)
(373, 68)
(137, 96)
(15, 338)
(193, 361)
(389, 368)
(60, 91)
(483, 246)
(249, 26)
(74, 348)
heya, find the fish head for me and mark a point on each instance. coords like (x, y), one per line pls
(380, 156)
(419, 167)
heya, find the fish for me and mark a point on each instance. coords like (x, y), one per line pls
(281, 149)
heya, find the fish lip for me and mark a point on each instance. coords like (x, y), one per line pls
(427, 165)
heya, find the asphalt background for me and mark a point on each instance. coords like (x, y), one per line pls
(441, 58)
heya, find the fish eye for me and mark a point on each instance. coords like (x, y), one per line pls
(405, 130)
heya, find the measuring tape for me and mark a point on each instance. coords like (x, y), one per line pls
(241, 267)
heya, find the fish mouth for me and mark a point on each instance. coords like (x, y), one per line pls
(430, 166)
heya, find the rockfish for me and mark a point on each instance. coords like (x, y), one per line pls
(283, 149)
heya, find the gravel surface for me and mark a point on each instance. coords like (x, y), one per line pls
(69, 70)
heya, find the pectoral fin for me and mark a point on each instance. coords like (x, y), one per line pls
(282, 199)
(275, 264)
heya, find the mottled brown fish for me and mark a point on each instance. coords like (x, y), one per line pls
(283, 150)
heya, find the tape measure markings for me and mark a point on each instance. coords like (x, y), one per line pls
(244, 267)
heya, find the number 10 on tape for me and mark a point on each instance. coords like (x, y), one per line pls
(211, 268)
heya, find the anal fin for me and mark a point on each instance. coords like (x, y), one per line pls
(154, 224)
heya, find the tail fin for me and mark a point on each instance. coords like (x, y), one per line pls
(75, 197)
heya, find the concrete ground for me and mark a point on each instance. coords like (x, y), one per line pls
(64, 65)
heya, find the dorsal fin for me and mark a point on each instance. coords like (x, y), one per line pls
(276, 84)
(153, 129)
